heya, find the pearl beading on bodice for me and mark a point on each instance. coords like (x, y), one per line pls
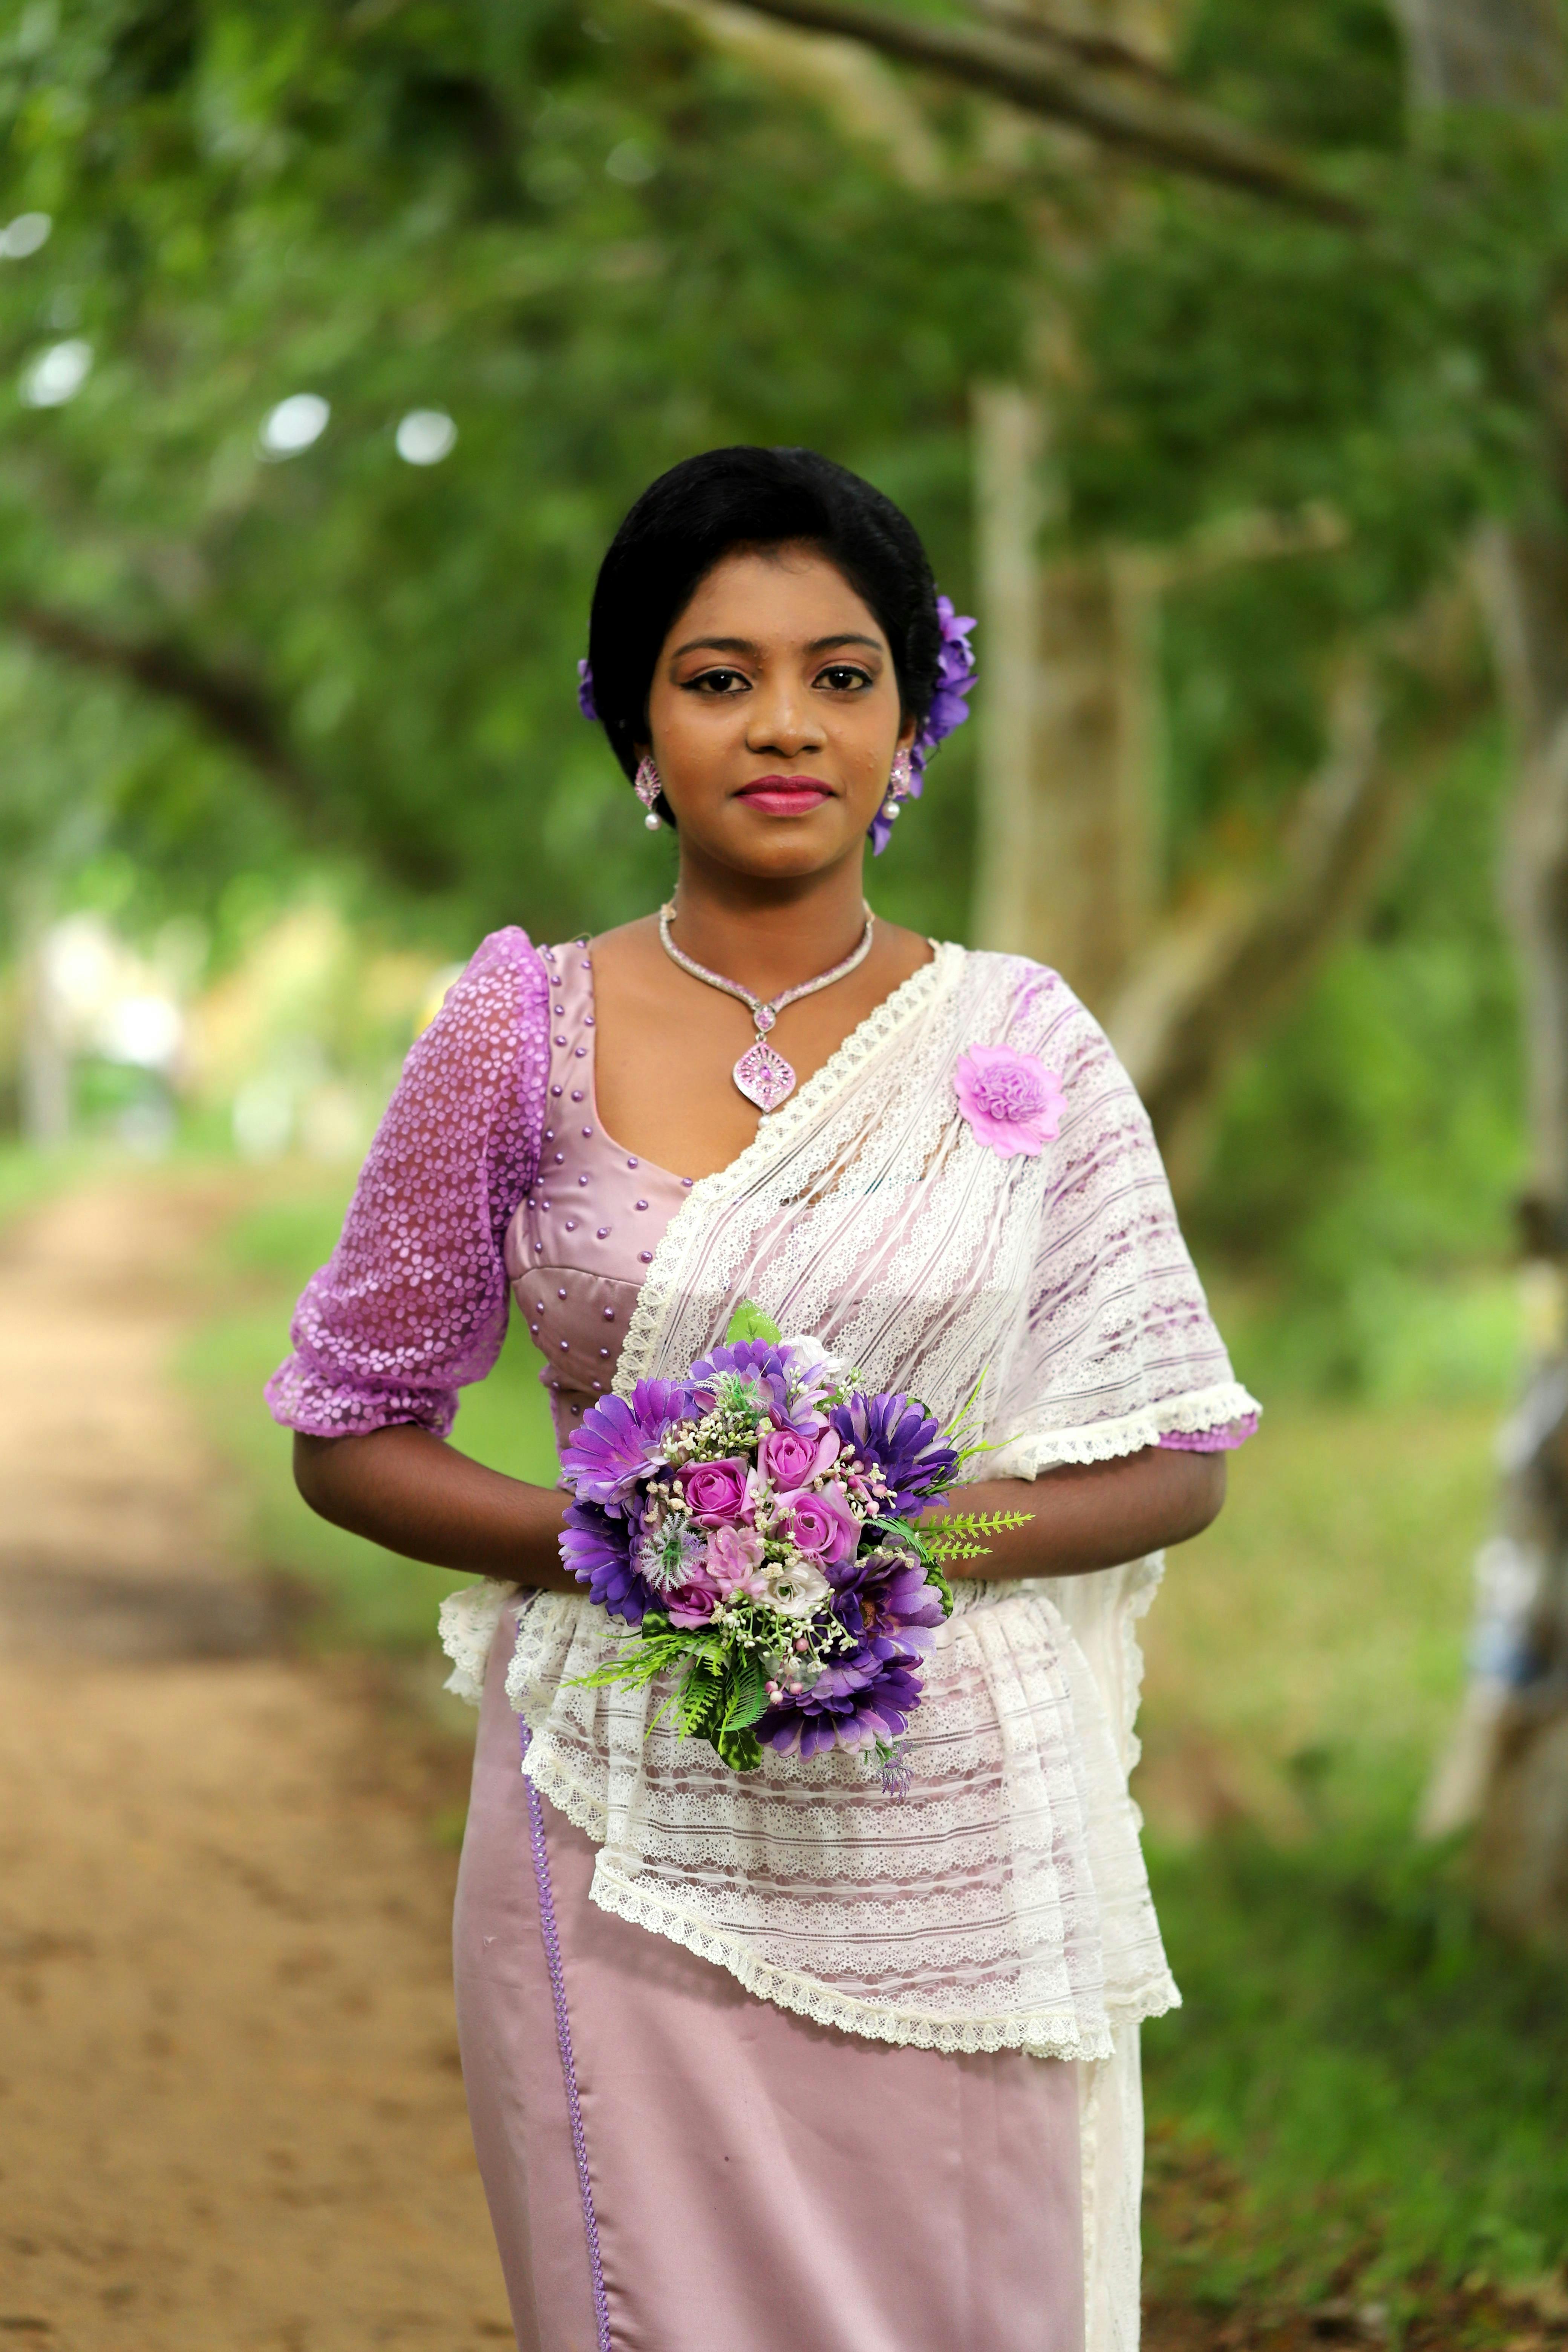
(581, 1242)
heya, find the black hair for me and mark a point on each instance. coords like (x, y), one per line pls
(706, 507)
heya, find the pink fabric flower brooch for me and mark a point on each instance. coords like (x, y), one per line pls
(1013, 1103)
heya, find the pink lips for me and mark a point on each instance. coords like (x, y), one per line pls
(785, 795)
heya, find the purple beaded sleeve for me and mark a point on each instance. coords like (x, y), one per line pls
(412, 1305)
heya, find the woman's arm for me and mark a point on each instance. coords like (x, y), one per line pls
(1093, 1514)
(416, 1495)
(411, 1491)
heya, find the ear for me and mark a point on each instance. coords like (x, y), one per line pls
(906, 733)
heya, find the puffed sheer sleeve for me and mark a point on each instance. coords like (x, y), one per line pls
(412, 1305)
(1117, 1349)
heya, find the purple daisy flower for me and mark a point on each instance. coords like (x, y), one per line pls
(883, 1600)
(606, 1456)
(849, 1705)
(597, 1547)
(765, 1368)
(659, 1403)
(898, 1437)
(618, 1444)
(585, 690)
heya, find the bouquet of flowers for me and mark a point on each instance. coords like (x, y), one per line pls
(755, 1524)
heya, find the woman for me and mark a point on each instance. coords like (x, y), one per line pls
(783, 2059)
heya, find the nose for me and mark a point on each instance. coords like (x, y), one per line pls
(781, 720)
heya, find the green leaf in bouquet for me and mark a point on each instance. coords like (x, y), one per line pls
(749, 1322)
(958, 1538)
(742, 1750)
(700, 1702)
(934, 1576)
(748, 1696)
(638, 1663)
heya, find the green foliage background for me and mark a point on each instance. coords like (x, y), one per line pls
(600, 244)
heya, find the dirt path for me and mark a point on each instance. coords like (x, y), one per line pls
(230, 2110)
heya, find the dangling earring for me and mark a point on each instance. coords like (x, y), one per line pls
(900, 783)
(646, 786)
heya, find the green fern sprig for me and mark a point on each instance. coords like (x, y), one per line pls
(719, 1697)
(956, 1538)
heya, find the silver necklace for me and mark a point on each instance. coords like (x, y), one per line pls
(763, 1075)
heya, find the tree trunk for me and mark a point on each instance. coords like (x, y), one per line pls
(1507, 1768)
(1068, 760)
(1501, 53)
(44, 1062)
(1009, 427)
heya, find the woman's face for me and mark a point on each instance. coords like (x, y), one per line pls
(774, 715)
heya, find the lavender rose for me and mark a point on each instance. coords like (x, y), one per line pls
(716, 1491)
(790, 1459)
(822, 1526)
(695, 1601)
(734, 1562)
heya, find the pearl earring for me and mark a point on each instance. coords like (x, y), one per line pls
(646, 786)
(900, 783)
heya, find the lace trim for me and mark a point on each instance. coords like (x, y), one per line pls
(467, 1622)
(774, 1135)
(1072, 2021)
(1106, 1441)
(1044, 2033)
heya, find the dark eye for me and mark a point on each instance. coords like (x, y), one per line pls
(717, 681)
(844, 678)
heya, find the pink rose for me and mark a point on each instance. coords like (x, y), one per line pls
(789, 1460)
(716, 1491)
(822, 1526)
(734, 1559)
(694, 1602)
(1013, 1103)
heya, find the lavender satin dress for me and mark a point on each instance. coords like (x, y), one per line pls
(672, 2165)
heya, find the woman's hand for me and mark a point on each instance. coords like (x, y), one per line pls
(1092, 1514)
(416, 1495)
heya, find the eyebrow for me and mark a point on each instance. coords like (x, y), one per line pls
(746, 645)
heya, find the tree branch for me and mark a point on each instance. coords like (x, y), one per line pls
(1090, 48)
(1128, 111)
(240, 714)
(1213, 980)
(232, 707)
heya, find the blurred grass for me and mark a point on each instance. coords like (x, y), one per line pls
(364, 1597)
(29, 1176)
(1362, 2087)
(1365, 2091)
(1317, 1630)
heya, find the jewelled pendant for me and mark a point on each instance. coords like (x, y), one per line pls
(763, 1076)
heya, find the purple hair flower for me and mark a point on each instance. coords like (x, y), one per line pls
(949, 710)
(954, 677)
(585, 691)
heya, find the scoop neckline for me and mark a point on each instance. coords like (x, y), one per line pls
(845, 1047)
